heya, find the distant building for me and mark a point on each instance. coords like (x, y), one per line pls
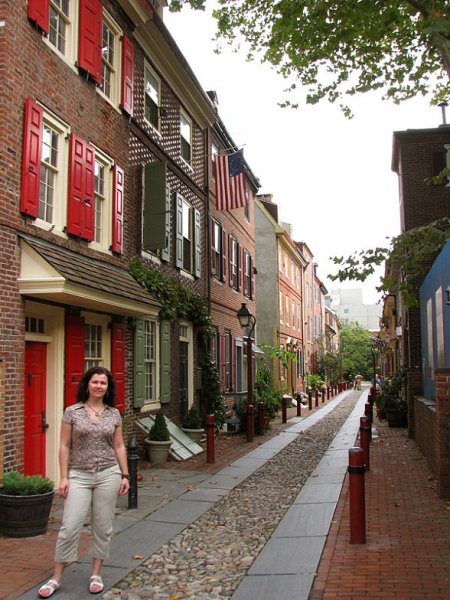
(349, 306)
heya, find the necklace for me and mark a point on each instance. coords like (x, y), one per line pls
(98, 412)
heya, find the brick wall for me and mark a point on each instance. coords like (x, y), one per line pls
(433, 431)
(2, 416)
(442, 431)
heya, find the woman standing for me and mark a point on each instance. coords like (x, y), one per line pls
(93, 471)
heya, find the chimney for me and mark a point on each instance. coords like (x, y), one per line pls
(443, 106)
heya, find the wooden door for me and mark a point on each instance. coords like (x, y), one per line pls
(35, 424)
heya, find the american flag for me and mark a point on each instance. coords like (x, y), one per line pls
(230, 181)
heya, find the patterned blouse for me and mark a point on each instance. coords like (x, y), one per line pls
(91, 446)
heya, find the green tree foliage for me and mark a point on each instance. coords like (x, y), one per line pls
(337, 48)
(355, 351)
(328, 361)
(211, 391)
(409, 256)
(266, 392)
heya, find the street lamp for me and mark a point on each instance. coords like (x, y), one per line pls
(246, 319)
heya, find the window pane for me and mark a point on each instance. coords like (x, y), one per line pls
(59, 21)
(48, 173)
(150, 360)
(107, 59)
(99, 190)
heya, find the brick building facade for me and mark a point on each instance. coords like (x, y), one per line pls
(418, 155)
(103, 161)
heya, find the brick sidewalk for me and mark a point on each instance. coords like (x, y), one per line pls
(407, 552)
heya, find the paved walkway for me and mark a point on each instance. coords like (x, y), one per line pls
(26, 563)
(406, 557)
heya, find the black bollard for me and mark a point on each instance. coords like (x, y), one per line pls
(299, 405)
(132, 468)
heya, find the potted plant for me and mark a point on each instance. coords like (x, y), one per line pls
(25, 504)
(192, 424)
(392, 401)
(158, 441)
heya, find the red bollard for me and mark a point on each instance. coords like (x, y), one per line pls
(210, 458)
(364, 439)
(299, 405)
(357, 498)
(261, 420)
(250, 422)
(283, 410)
(328, 392)
(310, 400)
(316, 394)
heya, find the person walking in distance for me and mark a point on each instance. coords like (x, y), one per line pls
(93, 472)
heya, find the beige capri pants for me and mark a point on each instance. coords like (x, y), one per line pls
(97, 491)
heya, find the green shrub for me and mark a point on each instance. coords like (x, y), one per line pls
(16, 484)
(192, 420)
(159, 431)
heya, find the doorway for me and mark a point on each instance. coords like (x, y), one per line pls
(35, 411)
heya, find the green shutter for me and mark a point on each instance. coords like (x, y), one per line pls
(179, 230)
(165, 362)
(197, 244)
(138, 398)
(165, 252)
(154, 228)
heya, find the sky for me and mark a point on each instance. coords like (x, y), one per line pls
(330, 176)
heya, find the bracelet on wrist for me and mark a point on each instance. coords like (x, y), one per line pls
(125, 476)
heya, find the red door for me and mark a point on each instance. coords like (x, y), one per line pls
(35, 406)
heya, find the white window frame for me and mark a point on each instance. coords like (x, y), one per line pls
(187, 335)
(187, 230)
(104, 244)
(148, 70)
(234, 263)
(151, 330)
(185, 124)
(115, 68)
(59, 218)
(102, 321)
(217, 249)
(71, 21)
(247, 267)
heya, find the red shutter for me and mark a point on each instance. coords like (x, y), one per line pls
(80, 210)
(90, 39)
(39, 13)
(118, 362)
(224, 255)
(31, 158)
(127, 75)
(117, 237)
(252, 279)
(74, 353)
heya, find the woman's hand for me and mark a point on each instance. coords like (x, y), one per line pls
(124, 487)
(63, 487)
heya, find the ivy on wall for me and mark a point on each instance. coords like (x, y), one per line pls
(177, 301)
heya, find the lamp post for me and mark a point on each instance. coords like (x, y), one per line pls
(246, 319)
